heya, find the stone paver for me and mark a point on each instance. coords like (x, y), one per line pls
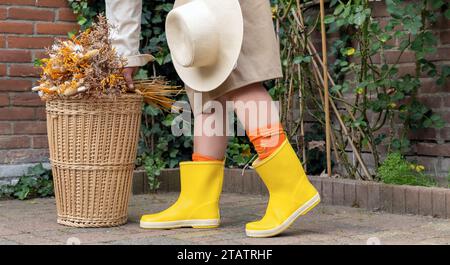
(34, 222)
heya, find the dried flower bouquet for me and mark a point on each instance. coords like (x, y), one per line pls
(87, 65)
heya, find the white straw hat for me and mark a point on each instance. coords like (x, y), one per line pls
(205, 39)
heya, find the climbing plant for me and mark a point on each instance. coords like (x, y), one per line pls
(377, 104)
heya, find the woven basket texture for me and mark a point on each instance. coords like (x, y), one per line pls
(93, 145)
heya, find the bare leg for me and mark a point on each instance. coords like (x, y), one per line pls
(254, 107)
(207, 142)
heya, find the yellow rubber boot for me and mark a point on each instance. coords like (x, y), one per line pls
(291, 193)
(198, 203)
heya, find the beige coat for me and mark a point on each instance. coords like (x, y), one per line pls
(259, 59)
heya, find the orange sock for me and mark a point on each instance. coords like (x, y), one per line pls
(267, 140)
(199, 157)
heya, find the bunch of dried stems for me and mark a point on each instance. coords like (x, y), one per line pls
(87, 65)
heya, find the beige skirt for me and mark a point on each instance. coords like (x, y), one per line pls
(259, 59)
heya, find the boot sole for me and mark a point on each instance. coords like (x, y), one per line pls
(302, 210)
(196, 223)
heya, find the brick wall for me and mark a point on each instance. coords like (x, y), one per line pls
(26, 28)
(430, 147)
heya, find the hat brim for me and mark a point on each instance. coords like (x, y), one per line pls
(231, 34)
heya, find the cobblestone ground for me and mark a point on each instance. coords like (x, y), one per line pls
(33, 222)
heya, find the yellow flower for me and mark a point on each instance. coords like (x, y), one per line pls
(420, 168)
(274, 11)
(359, 90)
(417, 168)
(350, 51)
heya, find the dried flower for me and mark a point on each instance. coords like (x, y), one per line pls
(87, 65)
(80, 64)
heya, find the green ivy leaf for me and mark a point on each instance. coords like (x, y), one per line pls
(329, 19)
(82, 20)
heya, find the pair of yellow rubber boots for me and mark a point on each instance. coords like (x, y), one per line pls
(291, 195)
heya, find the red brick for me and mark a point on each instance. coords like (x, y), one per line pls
(442, 54)
(52, 3)
(30, 127)
(4, 100)
(16, 113)
(406, 57)
(15, 85)
(443, 22)
(26, 99)
(55, 29)
(433, 149)
(26, 13)
(16, 27)
(66, 14)
(2, 42)
(429, 86)
(433, 102)
(3, 13)
(41, 114)
(2, 69)
(18, 2)
(445, 37)
(5, 128)
(407, 69)
(24, 70)
(14, 142)
(447, 100)
(40, 142)
(423, 134)
(39, 54)
(29, 42)
(445, 133)
(16, 56)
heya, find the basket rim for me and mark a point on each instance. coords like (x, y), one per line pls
(103, 98)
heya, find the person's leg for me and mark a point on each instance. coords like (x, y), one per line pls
(258, 114)
(291, 193)
(201, 179)
(210, 143)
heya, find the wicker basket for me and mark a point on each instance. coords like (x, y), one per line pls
(93, 146)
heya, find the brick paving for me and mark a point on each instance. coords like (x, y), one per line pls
(34, 222)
